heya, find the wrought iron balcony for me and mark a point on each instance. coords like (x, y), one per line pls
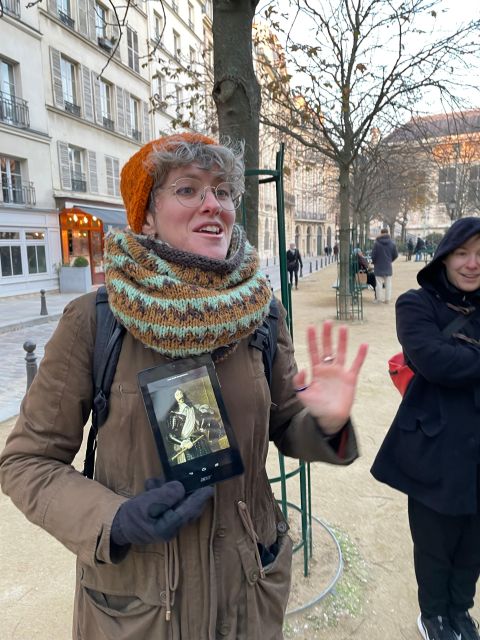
(137, 135)
(14, 110)
(66, 19)
(72, 108)
(310, 215)
(11, 8)
(79, 182)
(19, 194)
(108, 124)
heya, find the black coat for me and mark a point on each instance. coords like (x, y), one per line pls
(432, 449)
(294, 260)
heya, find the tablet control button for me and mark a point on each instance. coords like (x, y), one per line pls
(223, 629)
(221, 532)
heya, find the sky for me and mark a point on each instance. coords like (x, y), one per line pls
(450, 13)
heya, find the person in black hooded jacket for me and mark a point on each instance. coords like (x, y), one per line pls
(432, 449)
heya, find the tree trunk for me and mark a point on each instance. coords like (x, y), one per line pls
(236, 91)
(345, 295)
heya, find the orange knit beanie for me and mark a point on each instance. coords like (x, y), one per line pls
(136, 182)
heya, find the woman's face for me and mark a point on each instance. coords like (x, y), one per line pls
(205, 228)
(463, 265)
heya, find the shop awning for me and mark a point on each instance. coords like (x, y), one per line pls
(112, 217)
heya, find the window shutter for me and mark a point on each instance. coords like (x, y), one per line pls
(128, 115)
(57, 79)
(116, 177)
(82, 17)
(146, 122)
(120, 110)
(87, 94)
(109, 168)
(116, 35)
(64, 165)
(52, 7)
(92, 171)
(98, 102)
(91, 20)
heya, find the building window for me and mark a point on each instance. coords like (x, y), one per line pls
(64, 13)
(447, 178)
(36, 257)
(132, 43)
(158, 28)
(106, 104)
(192, 57)
(10, 254)
(190, 16)
(176, 45)
(69, 86)
(159, 87)
(474, 185)
(135, 119)
(77, 175)
(179, 97)
(11, 181)
(13, 110)
(100, 21)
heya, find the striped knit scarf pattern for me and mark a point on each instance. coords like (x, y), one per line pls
(182, 304)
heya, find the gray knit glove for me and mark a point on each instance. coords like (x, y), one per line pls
(158, 513)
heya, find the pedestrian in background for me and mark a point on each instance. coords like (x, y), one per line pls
(431, 452)
(335, 252)
(384, 252)
(419, 249)
(294, 263)
(410, 247)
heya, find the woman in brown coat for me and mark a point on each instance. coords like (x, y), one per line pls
(153, 564)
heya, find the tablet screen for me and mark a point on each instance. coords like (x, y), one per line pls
(193, 434)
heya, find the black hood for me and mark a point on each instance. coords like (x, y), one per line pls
(433, 275)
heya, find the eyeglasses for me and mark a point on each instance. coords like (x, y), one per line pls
(190, 192)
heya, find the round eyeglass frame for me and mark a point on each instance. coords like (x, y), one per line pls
(236, 200)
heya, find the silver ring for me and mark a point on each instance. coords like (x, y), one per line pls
(329, 358)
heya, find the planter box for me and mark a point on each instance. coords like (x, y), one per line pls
(75, 279)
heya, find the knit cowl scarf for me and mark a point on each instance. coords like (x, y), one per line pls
(183, 304)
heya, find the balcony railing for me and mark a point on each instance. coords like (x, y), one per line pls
(310, 215)
(23, 194)
(14, 110)
(137, 135)
(11, 8)
(108, 124)
(79, 182)
(72, 108)
(66, 19)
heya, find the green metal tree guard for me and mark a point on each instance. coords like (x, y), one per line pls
(353, 296)
(303, 469)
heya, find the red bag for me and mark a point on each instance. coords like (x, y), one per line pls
(400, 372)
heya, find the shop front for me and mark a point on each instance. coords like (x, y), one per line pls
(82, 229)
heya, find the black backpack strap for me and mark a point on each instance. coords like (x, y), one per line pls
(108, 344)
(265, 338)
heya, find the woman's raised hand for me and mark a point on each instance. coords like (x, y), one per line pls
(329, 391)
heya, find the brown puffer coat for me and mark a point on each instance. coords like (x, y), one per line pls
(221, 592)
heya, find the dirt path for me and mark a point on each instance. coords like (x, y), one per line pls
(376, 596)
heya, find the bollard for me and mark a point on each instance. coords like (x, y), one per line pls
(316, 265)
(267, 263)
(31, 360)
(274, 260)
(310, 267)
(43, 303)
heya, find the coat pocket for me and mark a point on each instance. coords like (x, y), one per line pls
(418, 444)
(267, 596)
(122, 602)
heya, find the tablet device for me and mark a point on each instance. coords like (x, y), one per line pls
(193, 434)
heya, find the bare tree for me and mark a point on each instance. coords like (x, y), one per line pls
(359, 64)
